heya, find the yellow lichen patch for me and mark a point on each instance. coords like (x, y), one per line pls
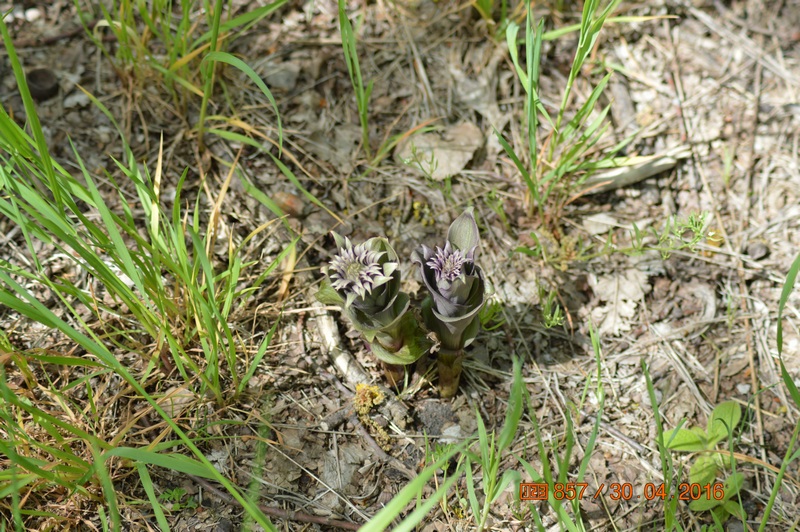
(378, 433)
(422, 213)
(367, 396)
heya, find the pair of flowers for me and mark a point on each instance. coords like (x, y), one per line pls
(364, 280)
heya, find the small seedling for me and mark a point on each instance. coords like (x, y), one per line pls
(708, 463)
(426, 165)
(175, 499)
(552, 313)
(490, 453)
(678, 234)
(553, 169)
(558, 253)
(364, 280)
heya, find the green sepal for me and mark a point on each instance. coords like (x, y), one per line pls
(463, 234)
(328, 296)
(456, 332)
(384, 322)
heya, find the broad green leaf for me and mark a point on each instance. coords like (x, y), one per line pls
(328, 296)
(704, 504)
(416, 343)
(724, 420)
(704, 469)
(688, 440)
(733, 484)
(735, 509)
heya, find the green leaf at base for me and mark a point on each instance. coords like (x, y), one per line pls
(415, 343)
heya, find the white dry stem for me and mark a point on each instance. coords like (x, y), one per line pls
(635, 170)
(348, 367)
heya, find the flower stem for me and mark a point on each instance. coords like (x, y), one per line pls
(449, 371)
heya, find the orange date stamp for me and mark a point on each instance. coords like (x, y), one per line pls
(619, 491)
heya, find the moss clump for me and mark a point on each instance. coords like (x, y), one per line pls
(367, 396)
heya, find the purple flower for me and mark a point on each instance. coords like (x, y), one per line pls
(357, 270)
(455, 284)
(365, 282)
(447, 263)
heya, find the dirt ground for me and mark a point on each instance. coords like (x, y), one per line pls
(714, 84)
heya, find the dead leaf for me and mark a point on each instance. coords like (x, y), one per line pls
(441, 156)
(176, 400)
(621, 293)
(600, 223)
(337, 150)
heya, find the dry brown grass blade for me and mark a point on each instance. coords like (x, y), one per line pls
(215, 211)
(289, 264)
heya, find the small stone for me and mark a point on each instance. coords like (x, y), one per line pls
(600, 223)
(76, 99)
(743, 389)
(646, 398)
(42, 83)
(289, 203)
(282, 76)
(33, 14)
(224, 525)
(74, 119)
(735, 526)
(757, 250)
